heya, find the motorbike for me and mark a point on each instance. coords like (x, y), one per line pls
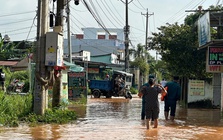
(15, 86)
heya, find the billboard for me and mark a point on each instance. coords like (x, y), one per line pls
(77, 85)
(196, 87)
(204, 34)
(214, 63)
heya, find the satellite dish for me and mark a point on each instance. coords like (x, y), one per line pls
(6, 38)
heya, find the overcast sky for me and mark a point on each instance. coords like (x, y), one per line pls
(17, 17)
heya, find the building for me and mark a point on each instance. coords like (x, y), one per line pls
(98, 43)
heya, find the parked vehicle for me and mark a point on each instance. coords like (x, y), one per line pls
(110, 87)
(15, 86)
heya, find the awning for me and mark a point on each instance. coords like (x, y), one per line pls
(73, 67)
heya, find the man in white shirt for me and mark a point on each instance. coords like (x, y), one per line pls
(163, 82)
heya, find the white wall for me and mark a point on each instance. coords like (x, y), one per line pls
(208, 93)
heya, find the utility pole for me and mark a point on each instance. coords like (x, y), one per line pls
(146, 39)
(58, 77)
(41, 73)
(126, 31)
(68, 32)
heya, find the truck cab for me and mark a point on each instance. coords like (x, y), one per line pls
(109, 88)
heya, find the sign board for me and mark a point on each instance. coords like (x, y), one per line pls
(196, 87)
(54, 49)
(214, 63)
(76, 84)
(204, 34)
(93, 70)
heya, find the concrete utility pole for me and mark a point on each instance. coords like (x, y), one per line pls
(146, 39)
(41, 73)
(58, 77)
(126, 31)
(68, 32)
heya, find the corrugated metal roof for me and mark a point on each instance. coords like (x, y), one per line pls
(8, 63)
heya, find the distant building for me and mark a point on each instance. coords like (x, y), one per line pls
(99, 43)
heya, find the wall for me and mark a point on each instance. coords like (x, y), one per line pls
(208, 93)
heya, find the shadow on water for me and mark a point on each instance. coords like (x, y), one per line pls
(119, 119)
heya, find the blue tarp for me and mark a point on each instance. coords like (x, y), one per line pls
(73, 67)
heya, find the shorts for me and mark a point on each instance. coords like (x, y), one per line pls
(152, 113)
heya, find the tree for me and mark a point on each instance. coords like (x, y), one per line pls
(177, 45)
(141, 64)
(139, 52)
(11, 50)
(139, 55)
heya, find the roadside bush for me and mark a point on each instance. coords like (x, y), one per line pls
(57, 116)
(13, 107)
(133, 90)
(80, 101)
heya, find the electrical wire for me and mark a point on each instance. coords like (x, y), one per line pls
(179, 12)
(114, 17)
(141, 5)
(16, 22)
(15, 14)
(105, 14)
(31, 27)
(137, 6)
(116, 10)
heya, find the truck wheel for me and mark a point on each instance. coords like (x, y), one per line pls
(96, 93)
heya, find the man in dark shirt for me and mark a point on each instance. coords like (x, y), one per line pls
(143, 102)
(151, 102)
(173, 94)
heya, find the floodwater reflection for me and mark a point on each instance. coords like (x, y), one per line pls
(119, 119)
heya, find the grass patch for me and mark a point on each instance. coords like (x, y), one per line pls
(15, 109)
(79, 101)
(56, 116)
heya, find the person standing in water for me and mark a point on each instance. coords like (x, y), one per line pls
(170, 100)
(151, 102)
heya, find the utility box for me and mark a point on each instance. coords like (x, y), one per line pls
(54, 49)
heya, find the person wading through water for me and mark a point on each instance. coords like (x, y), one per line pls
(151, 101)
(170, 100)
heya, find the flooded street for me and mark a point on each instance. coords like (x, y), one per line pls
(119, 119)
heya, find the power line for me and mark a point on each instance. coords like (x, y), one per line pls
(31, 27)
(138, 6)
(16, 22)
(15, 14)
(106, 14)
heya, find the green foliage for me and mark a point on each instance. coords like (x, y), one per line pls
(139, 52)
(177, 45)
(12, 107)
(133, 90)
(80, 101)
(17, 108)
(11, 50)
(141, 64)
(57, 116)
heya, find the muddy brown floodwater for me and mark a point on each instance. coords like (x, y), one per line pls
(119, 119)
